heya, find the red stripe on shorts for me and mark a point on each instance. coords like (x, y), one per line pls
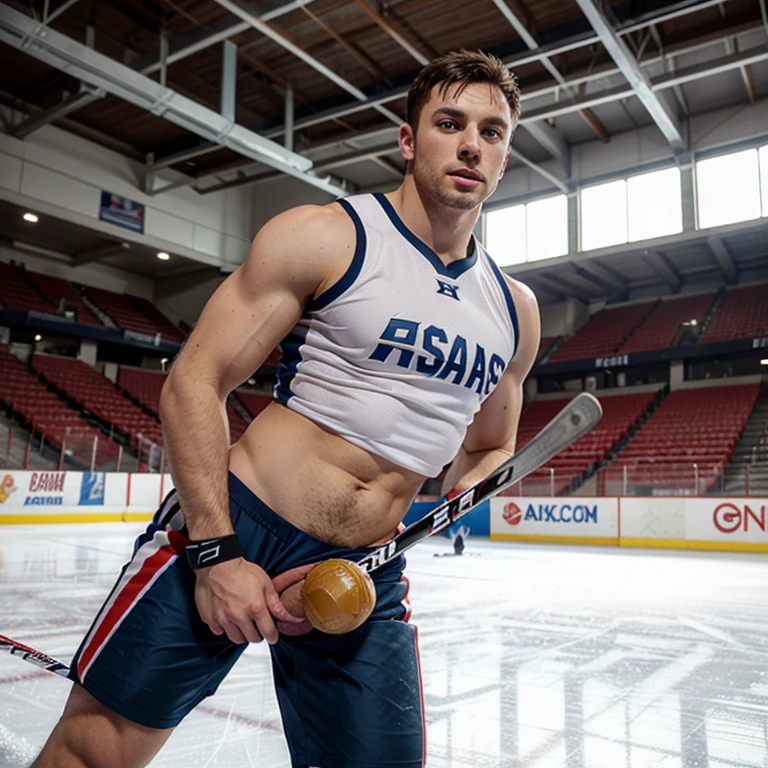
(149, 570)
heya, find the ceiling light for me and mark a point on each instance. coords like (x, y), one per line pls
(764, 362)
(33, 218)
(163, 256)
(38, 337)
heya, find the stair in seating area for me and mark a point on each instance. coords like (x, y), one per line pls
(751, 451)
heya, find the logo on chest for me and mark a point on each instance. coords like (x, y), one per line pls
(446, 289)
(431, 352)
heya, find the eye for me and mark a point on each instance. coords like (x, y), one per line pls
(493, 133)
(447, 124)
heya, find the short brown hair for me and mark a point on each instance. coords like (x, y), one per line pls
(462, 68)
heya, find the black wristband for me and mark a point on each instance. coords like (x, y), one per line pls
(208, 552)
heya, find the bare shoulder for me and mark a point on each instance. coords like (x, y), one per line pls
(306, 246)
(314, 227)
(525, 300)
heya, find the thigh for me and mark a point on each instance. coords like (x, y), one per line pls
(354, 700)
(89, 733)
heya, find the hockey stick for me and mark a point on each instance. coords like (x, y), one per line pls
(37, 658)
(574, 421)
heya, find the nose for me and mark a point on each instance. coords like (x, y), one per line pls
(469, 148)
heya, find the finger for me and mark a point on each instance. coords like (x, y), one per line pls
(217, 629)
(285, 579)
(277, 609)
(266, 626)
(250, 632)
(233, 632)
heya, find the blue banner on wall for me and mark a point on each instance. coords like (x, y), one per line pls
(92, 489)
(122, 212)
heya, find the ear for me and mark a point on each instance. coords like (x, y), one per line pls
(406, 140)
(504, 164)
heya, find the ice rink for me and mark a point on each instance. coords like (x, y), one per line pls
(533, 656)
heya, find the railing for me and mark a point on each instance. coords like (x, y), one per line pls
(20, 449)
(151, 455)
(661, 478)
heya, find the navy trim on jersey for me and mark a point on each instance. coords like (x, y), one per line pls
(508, 298)
(349, 277)
(454, 269)
(289, 363)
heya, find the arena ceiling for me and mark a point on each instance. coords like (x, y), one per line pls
(226, 93)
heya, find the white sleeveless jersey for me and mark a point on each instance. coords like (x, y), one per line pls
(400, 353)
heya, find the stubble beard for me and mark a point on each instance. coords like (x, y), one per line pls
(437, 187)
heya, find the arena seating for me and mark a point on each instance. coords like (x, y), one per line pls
(237, 424)
(57, 289)
(692, 426)
(544, 345)
(603, 334)
(17, 294)
(254, 402)
(146, 386)
(142, 384)
(620, 412)
(742, 314)
(124, 314)
(162, 323)
(662, 325)
(21, 390)
(99, 395)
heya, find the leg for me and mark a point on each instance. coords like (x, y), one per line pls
(89, 735)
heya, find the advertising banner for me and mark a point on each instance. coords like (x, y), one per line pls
(571, 520)
(733, 521)
(688, 522)
(51, 497)
(121, 211)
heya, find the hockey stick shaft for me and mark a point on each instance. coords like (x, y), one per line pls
(37, 658)
(574, 421)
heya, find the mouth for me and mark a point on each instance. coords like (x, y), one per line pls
(465, 177)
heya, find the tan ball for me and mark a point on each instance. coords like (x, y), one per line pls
(338, 596)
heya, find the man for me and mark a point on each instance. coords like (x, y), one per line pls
(403, 347)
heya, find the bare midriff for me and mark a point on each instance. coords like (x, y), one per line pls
(320, 482)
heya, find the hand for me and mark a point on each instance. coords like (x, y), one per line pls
(289, 585)
(238, 598)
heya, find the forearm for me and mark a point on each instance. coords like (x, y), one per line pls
(197, 441)
(469, 468)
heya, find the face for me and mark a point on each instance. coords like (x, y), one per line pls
(460, 148)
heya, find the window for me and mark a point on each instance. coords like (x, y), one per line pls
(604, 215)
(764, 178)
(505, 236)
(547, 222)
(655, 205)
(728, 189)
(530, 232)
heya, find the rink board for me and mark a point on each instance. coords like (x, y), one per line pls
(667, 522)
(79, 497)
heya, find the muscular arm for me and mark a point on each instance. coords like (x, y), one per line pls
(491, 437)
(295, 256)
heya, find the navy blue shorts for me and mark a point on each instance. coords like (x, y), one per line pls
(347, 701)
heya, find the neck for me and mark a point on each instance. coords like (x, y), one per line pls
(446, 230)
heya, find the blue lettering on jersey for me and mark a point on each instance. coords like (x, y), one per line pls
(446, 289)
(432, 334)
(402, 335)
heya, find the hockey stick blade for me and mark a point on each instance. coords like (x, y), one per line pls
(37, 658)
(573, 422)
